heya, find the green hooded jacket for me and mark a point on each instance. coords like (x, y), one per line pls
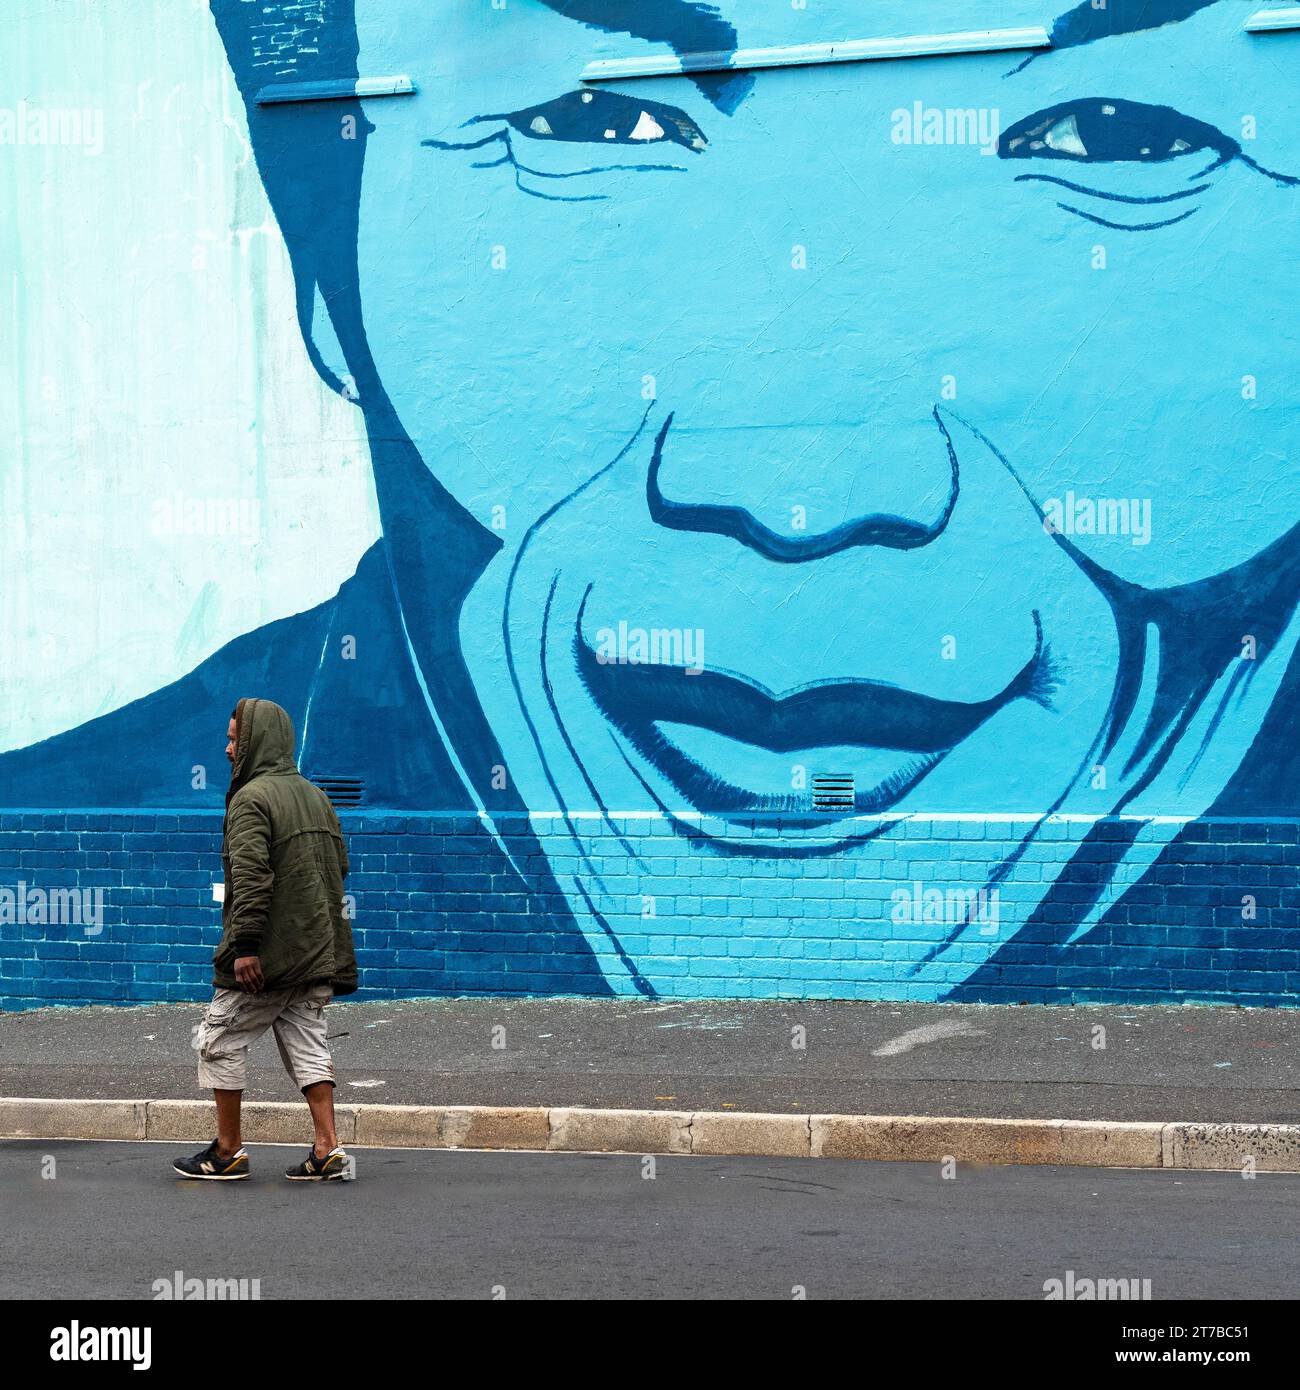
(285, 862)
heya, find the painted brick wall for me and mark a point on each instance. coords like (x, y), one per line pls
(431, 919)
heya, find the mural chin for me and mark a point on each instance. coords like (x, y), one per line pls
(710, 772)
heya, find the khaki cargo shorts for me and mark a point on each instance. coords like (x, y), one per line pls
(235, 1019)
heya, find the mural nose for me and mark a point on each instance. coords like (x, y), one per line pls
(931, 498)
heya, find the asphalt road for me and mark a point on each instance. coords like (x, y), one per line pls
(1157, 1064)
(423, 1224)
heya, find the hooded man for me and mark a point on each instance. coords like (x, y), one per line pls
(286, 946)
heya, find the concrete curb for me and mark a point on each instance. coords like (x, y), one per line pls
(909, 1138)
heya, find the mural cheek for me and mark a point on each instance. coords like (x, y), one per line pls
(1121, 486)
(1141, 391)
(487, 334)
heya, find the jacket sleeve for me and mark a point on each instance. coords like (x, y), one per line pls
(343, 844)
(248, 842)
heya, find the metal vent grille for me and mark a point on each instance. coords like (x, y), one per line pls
(342, 791)
(832, 791)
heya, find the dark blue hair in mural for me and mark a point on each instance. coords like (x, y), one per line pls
(312, 179)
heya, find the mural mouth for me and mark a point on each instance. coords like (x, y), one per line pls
(901, 735)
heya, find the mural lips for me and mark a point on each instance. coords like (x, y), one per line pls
(638, 699)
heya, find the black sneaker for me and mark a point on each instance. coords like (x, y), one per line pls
(333, 1167)
(211, 1167)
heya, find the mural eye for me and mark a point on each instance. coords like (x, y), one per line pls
(604, 118)
(1111, 130)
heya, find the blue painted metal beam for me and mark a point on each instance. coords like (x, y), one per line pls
(1265, 21)
(335, 89)
(797, 55)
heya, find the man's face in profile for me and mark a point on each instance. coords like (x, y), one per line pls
(769, 397)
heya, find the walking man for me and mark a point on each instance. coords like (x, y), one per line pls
(286, 947)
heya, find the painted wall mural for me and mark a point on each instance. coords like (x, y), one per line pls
(771, 467)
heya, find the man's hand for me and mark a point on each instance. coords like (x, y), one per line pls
(248, 974)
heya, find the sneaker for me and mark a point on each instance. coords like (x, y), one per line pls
(331, 1168)
(210, 1166)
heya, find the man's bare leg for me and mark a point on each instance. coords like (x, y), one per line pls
(320, 1101)
(228, 1141)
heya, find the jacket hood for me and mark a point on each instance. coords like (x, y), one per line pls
(263, 742)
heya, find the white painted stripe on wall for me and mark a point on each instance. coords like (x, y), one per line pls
(796, 55)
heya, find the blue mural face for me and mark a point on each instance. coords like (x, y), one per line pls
(900, 419)
(806, 493)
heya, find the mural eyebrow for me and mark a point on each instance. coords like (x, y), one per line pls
(684, 25)
(1086, 23)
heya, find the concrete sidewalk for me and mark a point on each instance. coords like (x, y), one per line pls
(1105, 1086)
(1212, 1065)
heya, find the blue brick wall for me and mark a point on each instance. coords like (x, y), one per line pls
(434, 916)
